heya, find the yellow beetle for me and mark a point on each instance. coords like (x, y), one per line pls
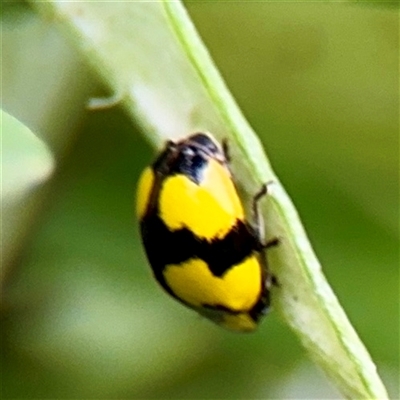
(201, 247)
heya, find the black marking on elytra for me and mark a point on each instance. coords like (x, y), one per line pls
(221, 254)
(164, 247)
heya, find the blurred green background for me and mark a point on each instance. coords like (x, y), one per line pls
(82, 316)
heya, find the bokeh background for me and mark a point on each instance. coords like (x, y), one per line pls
(81, 314)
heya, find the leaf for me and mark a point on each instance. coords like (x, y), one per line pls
(152, 58)
(26, 165)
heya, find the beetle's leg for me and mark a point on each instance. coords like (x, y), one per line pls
(225, 150)
(258, 219)
(260, 232)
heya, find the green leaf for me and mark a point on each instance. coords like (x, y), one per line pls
(151, 57)
(26, 165)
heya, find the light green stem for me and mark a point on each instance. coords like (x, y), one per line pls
(151, 54)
